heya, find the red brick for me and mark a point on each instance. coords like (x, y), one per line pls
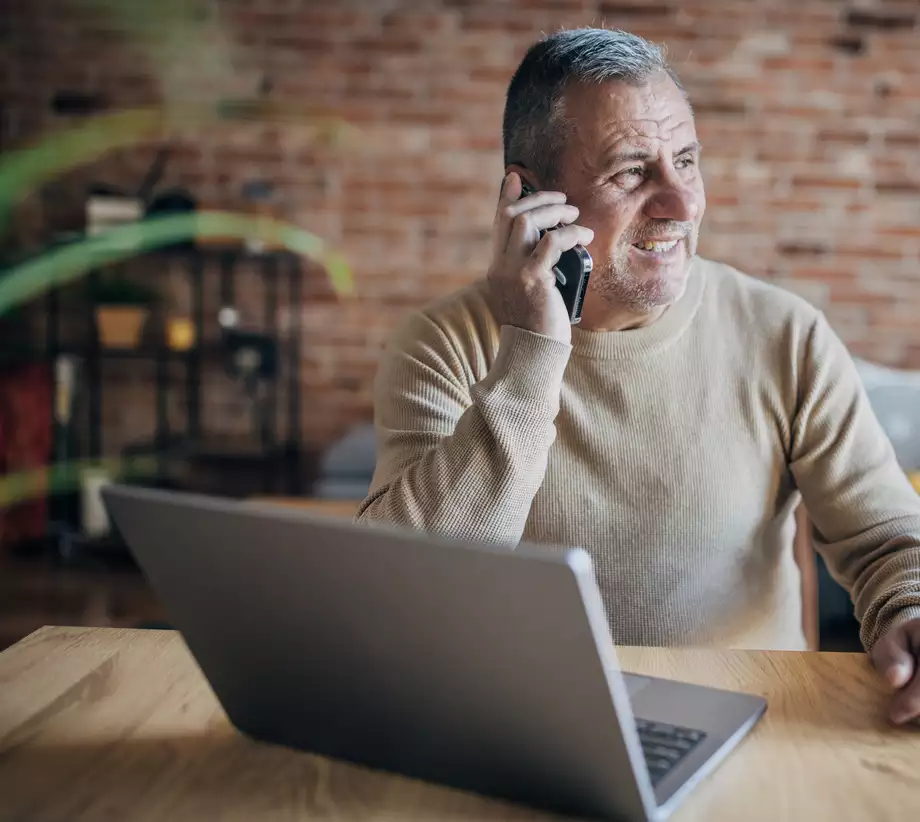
(802, 248)
(799, 204)
(829, 272)
(424, 23)
(846, 183)
(870, 252)
(620, 10)
(909, 138)
(813, 65)
(397, 43)
(801, 17)
(851, 292)
(482, 19)
(850, 137)
(912, 231)
(882, 20)
(904, 187)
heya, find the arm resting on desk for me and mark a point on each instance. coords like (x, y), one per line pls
(865, 512)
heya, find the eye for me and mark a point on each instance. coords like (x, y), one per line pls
(685, 162)
(629, 177)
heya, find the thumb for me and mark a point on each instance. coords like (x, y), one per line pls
(511, 188)
(510, 192)
(892, 657)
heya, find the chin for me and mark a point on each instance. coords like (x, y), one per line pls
(658, 293)
(669, 291)
(640, 290)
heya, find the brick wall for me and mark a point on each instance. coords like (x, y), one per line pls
(808, 111)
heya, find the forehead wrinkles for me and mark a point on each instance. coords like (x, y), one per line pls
(646, 128)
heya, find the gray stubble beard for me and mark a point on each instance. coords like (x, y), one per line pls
(615, 283)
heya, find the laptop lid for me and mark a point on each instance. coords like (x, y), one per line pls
(480, 667)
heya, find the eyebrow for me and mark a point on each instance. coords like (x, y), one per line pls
(694, 146)
(641, 154)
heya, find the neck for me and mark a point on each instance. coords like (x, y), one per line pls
(599, 315)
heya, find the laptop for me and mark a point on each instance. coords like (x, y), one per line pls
(484, 668)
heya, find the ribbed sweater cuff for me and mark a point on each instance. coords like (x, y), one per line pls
(905, 614)
(528, 367)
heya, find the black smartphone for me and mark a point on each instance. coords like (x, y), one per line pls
(572, 273)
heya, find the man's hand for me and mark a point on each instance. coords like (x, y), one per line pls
(896, 656)
(522, 285)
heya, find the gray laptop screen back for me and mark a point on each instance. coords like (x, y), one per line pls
(472, 667)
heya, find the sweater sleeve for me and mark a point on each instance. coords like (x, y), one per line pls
(456, 457)
(865, 511)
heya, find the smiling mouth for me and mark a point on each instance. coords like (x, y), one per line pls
(657, 246)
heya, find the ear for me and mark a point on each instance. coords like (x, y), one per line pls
(526, 175)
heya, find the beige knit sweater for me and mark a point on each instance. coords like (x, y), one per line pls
(675, 454)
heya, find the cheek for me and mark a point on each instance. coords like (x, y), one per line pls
(699, 196)
(607, 219)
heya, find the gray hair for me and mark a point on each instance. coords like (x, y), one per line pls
(533, 127)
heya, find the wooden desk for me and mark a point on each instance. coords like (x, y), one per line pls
(104, 723)
(327, 507)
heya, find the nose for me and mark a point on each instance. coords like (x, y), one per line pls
(673, 201)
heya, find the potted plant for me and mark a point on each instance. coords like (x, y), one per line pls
(122, 307)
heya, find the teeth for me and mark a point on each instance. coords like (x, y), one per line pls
(658, 248)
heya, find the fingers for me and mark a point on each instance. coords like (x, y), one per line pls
(511, 206)
(895, 656)
(892, 657)
(521, 220)
(521, 289)
(534, 201)
(905, 706)
(527, 225)
(554, 243)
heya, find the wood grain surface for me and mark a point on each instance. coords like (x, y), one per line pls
(327, 507)
(100, 723)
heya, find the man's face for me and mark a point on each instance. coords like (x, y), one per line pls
(631, 166)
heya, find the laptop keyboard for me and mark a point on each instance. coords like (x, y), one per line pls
(665, 745)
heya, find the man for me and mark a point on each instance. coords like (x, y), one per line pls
(673, 432)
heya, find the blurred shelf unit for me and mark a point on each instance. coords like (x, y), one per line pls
(262, 360)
